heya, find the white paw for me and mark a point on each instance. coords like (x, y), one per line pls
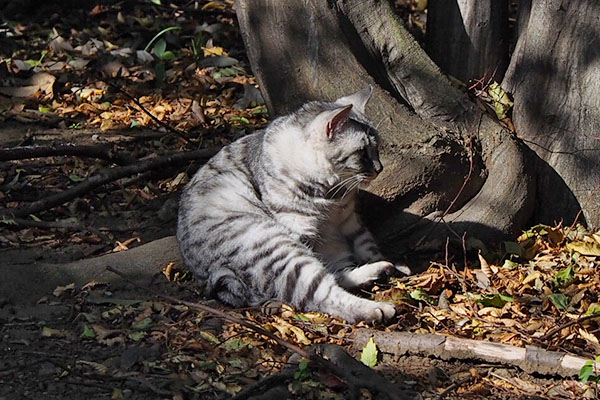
(365, 275)
(373, 311)
(403, 269)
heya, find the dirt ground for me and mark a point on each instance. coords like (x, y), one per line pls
(71, 329)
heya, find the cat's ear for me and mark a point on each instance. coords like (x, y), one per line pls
(358, 100)
(336, 120)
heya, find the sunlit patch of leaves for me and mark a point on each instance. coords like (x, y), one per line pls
(543, 280)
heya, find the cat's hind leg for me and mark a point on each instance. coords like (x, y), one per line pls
(228, 288)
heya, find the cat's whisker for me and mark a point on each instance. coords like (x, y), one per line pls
(340, 185)
(340, 182)
(357, 181)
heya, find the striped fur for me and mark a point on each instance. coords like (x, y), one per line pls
(272, 215)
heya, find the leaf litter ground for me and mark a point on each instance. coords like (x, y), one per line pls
(66, 79)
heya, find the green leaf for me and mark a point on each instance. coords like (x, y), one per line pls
(88, 332)
(560, 300)
(502, 102)
(513, 248)
(260, 111)
(369, 354)
(228, 71)
(32, 63)
(44, 109)
(160, 47)
(303, 373)
(564, 277)
(143, 324)
(75, 178)
(508, 264)
(240, 119)
(594, 308)
(300, 317)
(168, 55)
(539, 229)
(586, 371)
(134, 123)
(420, 295)
(157, 2)
(494, 300)
(136, 336)
(209, 337)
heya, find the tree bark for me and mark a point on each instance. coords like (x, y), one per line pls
(468, 39)
(433, 137)
(553, 75)
(530, 359)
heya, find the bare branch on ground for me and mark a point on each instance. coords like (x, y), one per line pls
(99, 151)
(106, 176)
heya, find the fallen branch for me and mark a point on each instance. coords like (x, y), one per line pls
(330, 357)
(100, 151)
(72, 224)
(530, 359)
(107, 175)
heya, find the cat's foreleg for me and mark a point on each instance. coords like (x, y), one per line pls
(372, 264)
(305, 283)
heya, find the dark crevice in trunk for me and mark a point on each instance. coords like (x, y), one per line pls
(371, 61)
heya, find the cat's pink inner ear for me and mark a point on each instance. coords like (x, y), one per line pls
(338, 120)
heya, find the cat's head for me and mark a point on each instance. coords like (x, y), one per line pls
(345, 139)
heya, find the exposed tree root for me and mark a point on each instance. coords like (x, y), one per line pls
(425, 123)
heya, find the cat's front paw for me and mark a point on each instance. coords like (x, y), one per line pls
(374, 311)
(403, 269)
(365, 275)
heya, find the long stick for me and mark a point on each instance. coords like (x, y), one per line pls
(107, 175)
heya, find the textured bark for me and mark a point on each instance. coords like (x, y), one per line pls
(306, 50)
(468, 39)
(530, 359)
(553, 76)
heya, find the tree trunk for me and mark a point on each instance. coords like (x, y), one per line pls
(468, 39)
(433, 136)
(553, 75)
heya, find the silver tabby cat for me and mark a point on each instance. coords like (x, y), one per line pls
(272, 215)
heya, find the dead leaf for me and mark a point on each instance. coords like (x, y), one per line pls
(585, 248)
(60, 45)
(60, 290)
(54, 333)
(39, 85)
